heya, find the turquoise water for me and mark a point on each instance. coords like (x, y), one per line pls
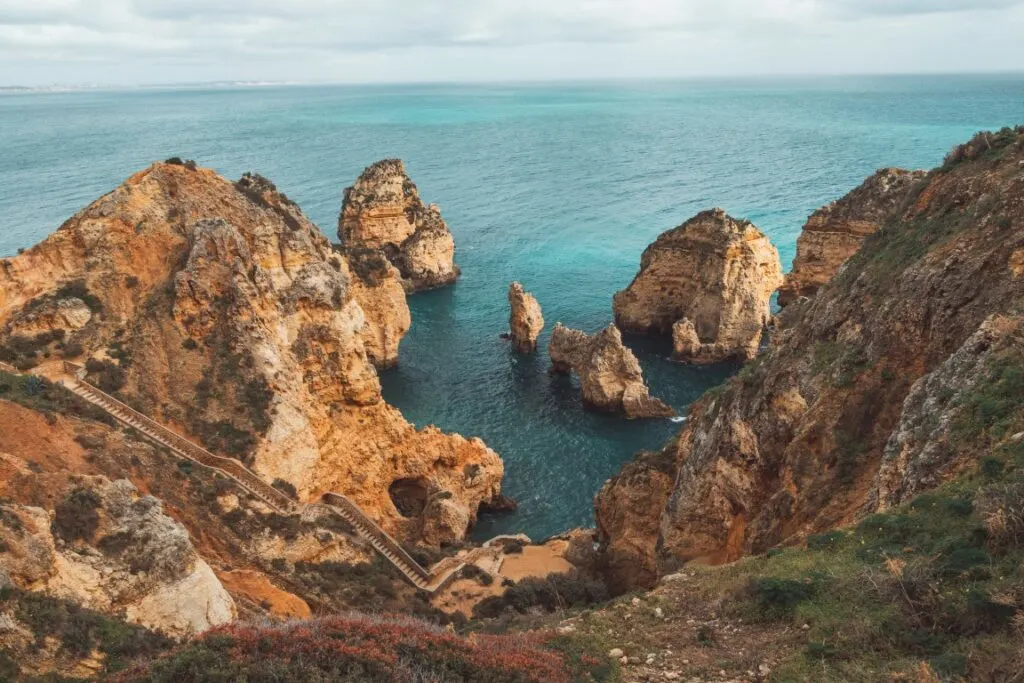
(560, 187)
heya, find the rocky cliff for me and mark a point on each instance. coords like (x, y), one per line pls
(525, 318)
(383, 210)
(611, 379)
(219, 308)
(706, 282)
(834, 232)
(896, 375)
(109, 549)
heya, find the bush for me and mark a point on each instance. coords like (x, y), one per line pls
(555, 592)
(77, 516)
(781, 596)
(286, 488)
(108, 376)
(80, 631)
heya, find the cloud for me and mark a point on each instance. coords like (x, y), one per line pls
(315, 37)
(911, 7)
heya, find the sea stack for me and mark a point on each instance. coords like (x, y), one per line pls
(835, 232)
(525, 319)
(383, 210)
(610, 376)
(707, 282)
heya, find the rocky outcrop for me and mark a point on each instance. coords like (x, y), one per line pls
(610, 376)
(835, 232)
(869, 392)
(377, 286)
(111, 550)
(220, 308)
(383, 210)
(926, 448)
(708, 283)
(525, 320)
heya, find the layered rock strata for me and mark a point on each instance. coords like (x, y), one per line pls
(835, 232)
(219, 308)
(879, 387)
(526, 320)
(383, 210)
(611, 379)
(707, 282)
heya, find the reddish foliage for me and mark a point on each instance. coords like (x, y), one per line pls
(374, 649)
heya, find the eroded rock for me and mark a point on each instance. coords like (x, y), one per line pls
(856, 404)
(383, 210)
(714, 276)
(835, 232)
(110, 549)
(611, 379)
(525, 320)
(244, 326)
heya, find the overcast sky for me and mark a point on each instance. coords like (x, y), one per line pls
(161, 41)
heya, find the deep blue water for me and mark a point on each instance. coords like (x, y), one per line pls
(558, 186)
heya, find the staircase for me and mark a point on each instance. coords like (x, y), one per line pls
(71, 376)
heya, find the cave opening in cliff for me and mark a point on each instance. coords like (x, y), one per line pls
(409, 496)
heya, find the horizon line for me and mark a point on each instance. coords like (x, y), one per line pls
(255, 83)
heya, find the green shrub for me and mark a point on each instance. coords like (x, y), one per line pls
(77, 515)
(779, 596)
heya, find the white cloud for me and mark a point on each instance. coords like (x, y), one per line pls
(315, 39)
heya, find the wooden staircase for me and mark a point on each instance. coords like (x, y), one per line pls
(71, 376)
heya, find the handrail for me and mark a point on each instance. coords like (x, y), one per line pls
(343, 503)
(336, 503)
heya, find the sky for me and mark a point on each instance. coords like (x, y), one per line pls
(129, 42)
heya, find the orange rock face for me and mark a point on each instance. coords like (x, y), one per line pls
(219, 308)
(525, 319)
(383, 210)
(835, 232)
(611, 379)
(713, 274)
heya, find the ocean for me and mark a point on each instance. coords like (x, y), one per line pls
(559, 186)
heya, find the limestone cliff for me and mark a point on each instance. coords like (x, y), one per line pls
(220, 308)
(377, 286)
(610, 376)
(383, 210)
(834, 232)
(111, 550)
(894, 377)
(525, 319)
(708, 283)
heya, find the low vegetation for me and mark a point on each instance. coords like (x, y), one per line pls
(76, 632)
(41, 395)
(360, 648)
(939, 582)
(556, 592)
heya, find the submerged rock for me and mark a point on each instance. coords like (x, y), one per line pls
(383, 210)
(610, 376)
(525, 320)
(708, 282)
(835, 232)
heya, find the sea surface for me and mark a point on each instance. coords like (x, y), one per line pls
(558, 186)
